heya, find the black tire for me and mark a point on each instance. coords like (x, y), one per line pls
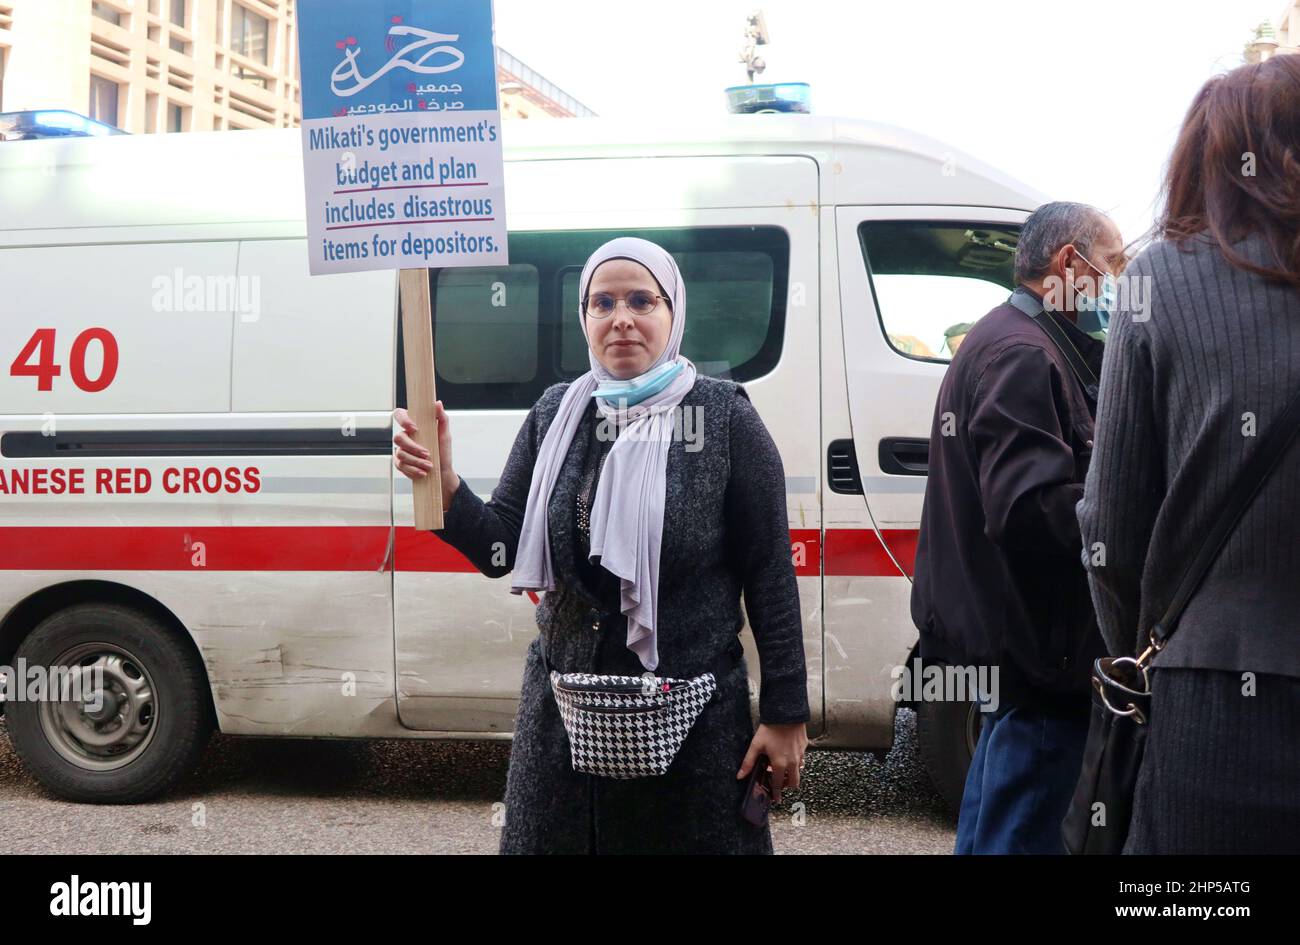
(947, 733)
(169, 707)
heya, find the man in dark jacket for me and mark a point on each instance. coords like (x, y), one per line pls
(999, 584)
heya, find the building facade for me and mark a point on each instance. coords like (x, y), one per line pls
(525, 94)
(1280, 39)
(151, 66)
(154, 65)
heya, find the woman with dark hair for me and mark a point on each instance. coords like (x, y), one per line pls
(1202, 357)
(643, 546)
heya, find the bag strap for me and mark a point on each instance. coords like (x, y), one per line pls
(1250, 479)
(1024, 300)
(719, 666)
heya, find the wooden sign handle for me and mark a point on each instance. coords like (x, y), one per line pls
(421, 397)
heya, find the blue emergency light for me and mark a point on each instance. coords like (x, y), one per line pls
(52, 123)
(783, 97)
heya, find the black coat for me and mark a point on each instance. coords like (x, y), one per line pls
(1186, 394)
(725, 532)
(998, 579)
(1189, 387)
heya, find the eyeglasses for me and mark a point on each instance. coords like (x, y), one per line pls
(1099, 270)
(1120, 266)
(639, 302)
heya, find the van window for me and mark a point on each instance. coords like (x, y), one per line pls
(502, 335)
(487, 325)
(932, 281)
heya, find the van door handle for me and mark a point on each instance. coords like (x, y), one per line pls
(905, 456)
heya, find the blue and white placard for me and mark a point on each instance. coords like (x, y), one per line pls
(401, 134)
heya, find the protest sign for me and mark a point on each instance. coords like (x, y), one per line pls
(402, 161)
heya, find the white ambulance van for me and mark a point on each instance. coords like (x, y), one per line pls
(199, 516)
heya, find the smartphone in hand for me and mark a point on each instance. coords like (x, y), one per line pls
(758, 793)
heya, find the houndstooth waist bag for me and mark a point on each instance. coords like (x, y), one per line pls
(632, 726)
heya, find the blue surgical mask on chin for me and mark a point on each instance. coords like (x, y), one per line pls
(1093, 312)
(636, 389)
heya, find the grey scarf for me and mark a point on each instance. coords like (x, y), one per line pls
(627, 511)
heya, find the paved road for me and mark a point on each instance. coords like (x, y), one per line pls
(316, 796)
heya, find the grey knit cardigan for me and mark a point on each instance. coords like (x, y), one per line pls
(1186, 388)
(725, 534)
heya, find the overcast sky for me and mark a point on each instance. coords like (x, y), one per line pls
(1079, 99)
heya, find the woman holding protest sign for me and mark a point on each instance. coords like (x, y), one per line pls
(634, 731)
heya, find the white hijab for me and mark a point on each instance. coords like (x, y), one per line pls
(627, 511)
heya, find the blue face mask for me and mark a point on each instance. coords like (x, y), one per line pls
(1094, 311)
(636, 389)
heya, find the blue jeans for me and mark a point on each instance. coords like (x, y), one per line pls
(1021, 778)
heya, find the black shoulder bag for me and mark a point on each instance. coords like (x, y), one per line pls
(1097, 820)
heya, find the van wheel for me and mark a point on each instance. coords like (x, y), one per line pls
(947, 733)
(134, 715)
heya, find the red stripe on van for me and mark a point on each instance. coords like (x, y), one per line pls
(858, 552)
(169, 548)
(848, 552)
(810, 563)
(415, 550)
(419, 551)
(902, 542)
